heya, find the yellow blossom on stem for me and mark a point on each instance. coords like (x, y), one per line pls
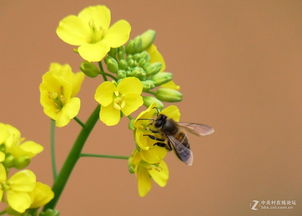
(91, 31)
(17, 188)
(57, 93)
(41, 195)
(115, 98)
(154, 168)
(142, 124)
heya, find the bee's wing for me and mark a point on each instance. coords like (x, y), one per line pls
(197, 129)
(183, 153)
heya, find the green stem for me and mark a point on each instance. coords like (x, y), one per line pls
(79, 122)
(3, 212)
(72, 158)
(150, 92)
(113, 77)
(102, 71)
(53, 148)
(105, 156)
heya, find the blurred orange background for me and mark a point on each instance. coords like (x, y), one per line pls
(239, 67)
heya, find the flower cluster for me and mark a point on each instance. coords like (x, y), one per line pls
(20, 191)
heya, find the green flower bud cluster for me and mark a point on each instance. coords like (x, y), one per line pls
(14, 162)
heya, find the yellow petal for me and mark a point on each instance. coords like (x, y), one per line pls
(109, 115)
(132, 103)
(3, 133)
(144, 142)
(41, 195)
(73, 30)
(22, 181)
(146, 114)
(93, 52)
(171, 85)
(130, 85)
(77, 82)
(154, 155)
(68, 112)
(2, 157)
(118, 34)
(156, 56)
(143, 181)
(3, 175)
(97, 16)
(160, 173)
(104, 93)
(172, 112)
(32, 148)
(19, 201)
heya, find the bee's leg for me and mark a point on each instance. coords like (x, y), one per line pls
(164, 145)
(154, 138)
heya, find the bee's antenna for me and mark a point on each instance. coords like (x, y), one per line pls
(157, 111)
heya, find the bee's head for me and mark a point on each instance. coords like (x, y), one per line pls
(160, 121)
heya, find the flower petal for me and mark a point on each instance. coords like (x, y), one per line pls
(93, 52)
(19, 201)
(154, 155)
(156, 56)
(73, 30)
(130, 85)
(104, 93)
(41, 195)
(118, 34)
(32, 148)
(3, 175)
(144, 142)
(143, 181)
(2, 157)
(109, 115)
(68, 112)
(99, 16)
(146, 114)
(132, 103)
(23, 181)
(77, 81)
(160, 173)
(172, 112)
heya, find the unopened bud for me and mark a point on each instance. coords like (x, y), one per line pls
(21, 162)
(123, 64)
(162, 78)
(148, 84)
(50, 212)
(153, 68)
(131, 124)
(139, 72)
(89, 69)
(168, 95)
(148, 100)
(9, 161)
(147, 38)
(121, 74)
(112, 64)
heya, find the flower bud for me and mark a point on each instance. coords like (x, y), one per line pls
(9, 161)
(148, 100)
(153, 68)
(168, 95)
(21, 162)
(50, 212)
(131, 62)
(123, 64)
(112, 64)
(130, 47)
(138, 72)
(131, 124)
(161, 78)
(121, 74)
(148, 84)
(89, 69)
(147, 38)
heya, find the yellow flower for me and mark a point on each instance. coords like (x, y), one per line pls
(57, 93)
(156, 56)
(14, 145)
(91, 32)
(41, 195)
(17, 188)
(142, 127)
(115, 98)
(155, 169)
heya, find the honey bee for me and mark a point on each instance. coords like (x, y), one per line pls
(175, 138)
